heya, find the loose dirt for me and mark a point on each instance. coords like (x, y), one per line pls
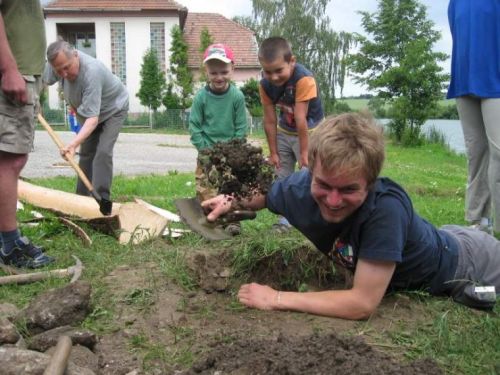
(236, 167)
(161, 328)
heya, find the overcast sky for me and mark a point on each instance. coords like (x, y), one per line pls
(344, 16)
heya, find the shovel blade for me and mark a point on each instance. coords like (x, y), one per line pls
(192, 214)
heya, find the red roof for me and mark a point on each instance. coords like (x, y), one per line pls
(121, 5)
(239, 38)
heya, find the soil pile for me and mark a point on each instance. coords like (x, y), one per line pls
(236, 167)
(315, 354)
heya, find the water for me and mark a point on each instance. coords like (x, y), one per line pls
(451, 129)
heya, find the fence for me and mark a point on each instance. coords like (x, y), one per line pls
(170, 120)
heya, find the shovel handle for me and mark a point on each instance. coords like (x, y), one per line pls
(68, 157)
(59, 360)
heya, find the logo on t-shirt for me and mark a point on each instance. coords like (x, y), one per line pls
(342, 254)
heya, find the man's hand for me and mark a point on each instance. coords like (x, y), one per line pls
(217, 206)
(303, 162)
(258, 296)
(274, 160)
(14, 86)
(68, 151)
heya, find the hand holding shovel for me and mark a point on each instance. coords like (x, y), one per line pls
(105, 205)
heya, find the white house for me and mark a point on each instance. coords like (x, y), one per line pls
(118, 33)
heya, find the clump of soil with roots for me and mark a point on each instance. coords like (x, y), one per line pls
(237, 168)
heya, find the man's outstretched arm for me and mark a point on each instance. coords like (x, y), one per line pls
(371, 280)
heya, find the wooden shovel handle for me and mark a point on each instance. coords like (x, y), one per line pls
(69, 158)
(59, 360)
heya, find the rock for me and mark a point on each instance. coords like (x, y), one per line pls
(57, 307)
(82, 357)
(8, 310)
(47, 339)
(27, 362)
(8, 332)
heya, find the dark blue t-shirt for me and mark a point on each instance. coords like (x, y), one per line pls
(475, 58)
(384, 228)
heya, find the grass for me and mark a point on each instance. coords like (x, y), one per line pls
(462, 340)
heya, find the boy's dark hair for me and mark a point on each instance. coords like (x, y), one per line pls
(274, 47)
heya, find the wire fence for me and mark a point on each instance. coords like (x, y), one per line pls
(169, 120)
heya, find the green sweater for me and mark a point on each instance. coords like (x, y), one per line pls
(217, 117)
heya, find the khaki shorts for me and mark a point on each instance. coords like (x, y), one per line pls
(17, 122)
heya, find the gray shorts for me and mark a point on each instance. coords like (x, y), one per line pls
(17, 122)
(478, 265)
(289, 153)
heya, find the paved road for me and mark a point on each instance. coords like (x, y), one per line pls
(134, 154)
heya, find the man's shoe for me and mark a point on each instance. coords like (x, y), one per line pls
(26, 255)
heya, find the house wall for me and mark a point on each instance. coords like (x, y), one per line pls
(137, 42)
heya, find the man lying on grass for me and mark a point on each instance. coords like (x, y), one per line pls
(368, 225)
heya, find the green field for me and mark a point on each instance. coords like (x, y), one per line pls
(360, 104)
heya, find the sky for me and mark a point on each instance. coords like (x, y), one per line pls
(344, 16)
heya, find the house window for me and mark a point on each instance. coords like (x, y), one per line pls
(157, 37)
(118, 55)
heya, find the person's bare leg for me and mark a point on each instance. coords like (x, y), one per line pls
(10, 169)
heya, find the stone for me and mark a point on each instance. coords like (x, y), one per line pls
(81, 357)
(8, 310)
(8, 332)
(68, 305)
(47, 339)
(28, 362)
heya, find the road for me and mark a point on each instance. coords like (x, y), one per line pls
(134, 154)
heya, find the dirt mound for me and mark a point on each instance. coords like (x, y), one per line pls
(236, 167)
(315, 354)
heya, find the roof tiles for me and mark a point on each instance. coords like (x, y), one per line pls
(223, 30)
(132, 5)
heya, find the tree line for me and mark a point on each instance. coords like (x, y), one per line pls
(393, 59)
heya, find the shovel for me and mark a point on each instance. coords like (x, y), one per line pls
(193, 215)
(105, 205)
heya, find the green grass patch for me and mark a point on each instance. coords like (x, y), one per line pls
(462, 340)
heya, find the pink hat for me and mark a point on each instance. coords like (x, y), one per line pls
(220, 52)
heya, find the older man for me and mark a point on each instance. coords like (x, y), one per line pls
(22, 47)
(100, 102)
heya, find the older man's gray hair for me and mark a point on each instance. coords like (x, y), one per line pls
(59, 46)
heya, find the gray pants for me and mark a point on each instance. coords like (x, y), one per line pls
(96, 155)
(478, 263)
(289, 153)
(480, 120)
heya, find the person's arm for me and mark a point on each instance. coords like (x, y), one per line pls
(270, 121)
(270, 126)
(195, 123)
(12, 82)
(89, 108)
(240, 121)
(87, 128)
(222, 204)
(371, 280)
(49, 77)
(300, 113)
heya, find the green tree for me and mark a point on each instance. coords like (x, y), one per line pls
(205, 40)
(180, 82)
(398, 63)
(305, 25)
(152, 82)
(252, 98)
